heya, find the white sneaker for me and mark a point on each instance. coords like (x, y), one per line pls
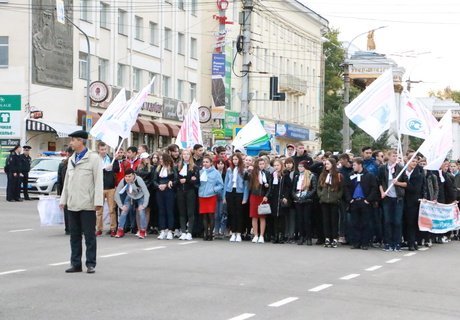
(238, 237)
(261, 239)
(255, 239)
(233, 237)
(162, 235)
(188, 236)
(177, 233)
(183, 236)
(444, 239)
(169, 236)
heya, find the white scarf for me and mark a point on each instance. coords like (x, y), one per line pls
(183, 171)
(204, 176)
(262, 177)
(441, 177)
(300, 182)
(356, 176)
(275, 177)
(235, 176)
(329, 179)
(106, 162)
(163, 172)
(391, 171)
(408, 173)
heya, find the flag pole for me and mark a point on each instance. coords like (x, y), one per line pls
(118, 149)
(402, 171)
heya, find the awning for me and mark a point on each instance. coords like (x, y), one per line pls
(161, 129)
(61, 129)
(146, 126)
(175, 129)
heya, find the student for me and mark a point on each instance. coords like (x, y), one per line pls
(290, 216)
(132, 193)
(220, 221)
(211, 185)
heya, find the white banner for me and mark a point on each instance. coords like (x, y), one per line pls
(437, 217)
(416, 120)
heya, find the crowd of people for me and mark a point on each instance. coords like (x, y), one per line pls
(335, 199)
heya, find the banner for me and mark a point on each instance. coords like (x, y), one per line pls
(252, 133)
(416, 120)
(190, 131)
(437, 217)
(375, 108)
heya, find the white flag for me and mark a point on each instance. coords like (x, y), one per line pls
(416, 120)
(252, 133)
(438, 144)
(374, 109)
(190, 131)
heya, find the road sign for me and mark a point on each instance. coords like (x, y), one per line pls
(89, 123)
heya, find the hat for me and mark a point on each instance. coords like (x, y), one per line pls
(26, 147)
(144, 155)
(79, 134)
(290, 146)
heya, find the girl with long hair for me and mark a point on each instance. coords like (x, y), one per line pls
(220, 221)
(330, 190)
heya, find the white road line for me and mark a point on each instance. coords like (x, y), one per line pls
(20, 230)
(423, 249)
(243, 316)
(321, 287)
(373, 268)
(113, 255)
(410, 254)
(154, 248)
(59, 263)
(283, 302)
(393, 260)
(350, 276)
(188, 242)
(12, 271)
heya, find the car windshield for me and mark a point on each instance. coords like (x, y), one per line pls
(45, 164)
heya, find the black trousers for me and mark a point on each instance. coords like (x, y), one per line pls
(25, 185)
(360, 223)
(186, 203)
(82, 222)
(235, 210)
(279, 225)
(13, 187)
(411, 222)
(330, 220)
(303, 219)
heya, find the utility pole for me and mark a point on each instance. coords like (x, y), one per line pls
(245, 21)
(346, 100)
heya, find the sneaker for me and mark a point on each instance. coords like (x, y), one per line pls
(238, 237)
(444, 239)
(113, 233)
(386, 247)
(142, 234)
(183, 236)
(98, 233)
(342, 240)
(255, 239)
(398, 248)
(162, 235)
(335, 243)
(429, 244)
(261, 239)
(138, 233)
(177, 233)
(327, 243)
(169, 236)
(188, 236)
(233, 237)
(120, 233)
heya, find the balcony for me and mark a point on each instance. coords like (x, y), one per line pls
(292, 85)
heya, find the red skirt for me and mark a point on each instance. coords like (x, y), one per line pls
(208, 204)
(254, 202)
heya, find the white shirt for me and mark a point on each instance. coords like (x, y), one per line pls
(235, 176)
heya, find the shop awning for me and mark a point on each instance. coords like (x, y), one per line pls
(61, 129)
(146, 126)
(161, 129)
(174, 129)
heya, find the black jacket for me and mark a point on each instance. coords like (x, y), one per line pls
(189, 183)
(309, 195)
(13, 163)
(368, 184)
(415, 186)
(304, 157)
(110, 176)
(25, 163)
(157, 180)
(383, 179)
(146, 175)
(279, 191)
(261, 191)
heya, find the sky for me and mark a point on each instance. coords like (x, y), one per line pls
(420, 35)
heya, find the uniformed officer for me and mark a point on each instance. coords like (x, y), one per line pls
(83, 195)
(25, 168)
(13, 171)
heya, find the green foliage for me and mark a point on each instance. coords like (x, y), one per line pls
(331, 123)
(445, 94)
(414, 143)
(360, 139)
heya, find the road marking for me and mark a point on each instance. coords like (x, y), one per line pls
(373, 268)
(58, 263)
(393, 260)
(154, 248)
(113, 255)
(243, 316)
(283, 302)
(12, 271)
(350, 276)
(423, 249)
(410, 254)
(20, 230)
(188, 242)
(321, 287)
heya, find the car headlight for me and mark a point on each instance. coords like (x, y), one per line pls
(45, 179)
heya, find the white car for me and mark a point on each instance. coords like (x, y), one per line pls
(43, 174)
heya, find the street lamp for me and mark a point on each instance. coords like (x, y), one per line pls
(346, 143)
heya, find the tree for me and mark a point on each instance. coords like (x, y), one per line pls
(446, 94)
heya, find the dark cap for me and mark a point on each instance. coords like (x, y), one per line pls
(79, 134)
(26, 147)
(290, 146)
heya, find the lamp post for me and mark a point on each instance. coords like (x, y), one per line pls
(346, 143)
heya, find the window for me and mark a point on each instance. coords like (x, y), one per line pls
(154, 36)
(105, 15)
(139, 33)
(122, 21)
(193, 48)
(192, 91)
(83, 65)
(180, 4)
(153, 89)
(194, 7)
(180, 89)
(3, 51)
(103, 69)
(121, 74)
(85, 10)
(168, 39)
(137, 79)
(180, 43)
(166, 85)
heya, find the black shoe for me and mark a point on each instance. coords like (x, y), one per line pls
(364, 247)
(91, 270)
(280, 238)
(319, 242)
(67, 233)
(411, 248)
(18, 200)
(355, 246)
(310, 243)
(74, 269)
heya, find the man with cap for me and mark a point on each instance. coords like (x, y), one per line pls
(290, 150)
(83, 194)
(25, 168)
(13, 171)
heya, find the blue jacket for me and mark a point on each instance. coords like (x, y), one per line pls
(213, 186)
(241, 184)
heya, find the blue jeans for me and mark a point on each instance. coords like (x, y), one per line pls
(220, 224)
(392, 220)
(165, 200)
(132, 204)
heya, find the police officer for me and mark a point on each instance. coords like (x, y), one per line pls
(13, 171)
(83, 195)
(25, 168)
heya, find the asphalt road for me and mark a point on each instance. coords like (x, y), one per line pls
(153, 279)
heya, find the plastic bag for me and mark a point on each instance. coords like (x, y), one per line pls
(49, 211)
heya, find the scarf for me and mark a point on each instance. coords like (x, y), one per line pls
(262, 178)
(235, 176)
(183, 171)
(441, 177)
(204, 176)
(275, 178)
(163, 173)
(329, 179)
(356, 176)
(391, 171)
(300, 182)
(106, 162)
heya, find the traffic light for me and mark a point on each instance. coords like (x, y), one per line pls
(274, 94)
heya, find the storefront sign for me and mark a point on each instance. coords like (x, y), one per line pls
(291, 131)
(218, 64)
(10, 116)
(269, 126)
(152, 106)
(232, 119)
(5, 146)
(218, 113)
(174, 109)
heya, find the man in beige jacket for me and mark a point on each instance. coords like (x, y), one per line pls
(83, 195)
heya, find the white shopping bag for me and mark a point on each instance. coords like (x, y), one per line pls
(49, 211)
